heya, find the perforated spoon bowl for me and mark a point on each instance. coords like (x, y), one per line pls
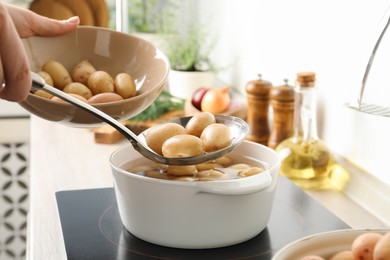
(239, 128)
(359, 105)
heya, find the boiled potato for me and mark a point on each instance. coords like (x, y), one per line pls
(250, 171)
(200, 172)
(71, 94)
(382, 248)
(42, 93)
(140, 168)
(363, 246)
(180, 170)
(215, 137)
(58, 73)
(78, 88)
(199, 122)
(104, 98)
(184, 178)
(240, 166)
(124, 85)
(82, 71)
(225, 160)
(84, 80)
(209, 175)
(183, 145)
(155, 174)
(158, 134)
(208, 166)
(100, 82)
(46, 77)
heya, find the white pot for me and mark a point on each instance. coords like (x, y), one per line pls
(183, 84)
(196, 215)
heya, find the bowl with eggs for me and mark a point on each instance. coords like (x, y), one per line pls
(214, 204)
(345, 244)
(115, 72)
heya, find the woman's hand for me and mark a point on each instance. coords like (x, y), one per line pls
(17, 23)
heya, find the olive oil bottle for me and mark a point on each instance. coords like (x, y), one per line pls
(306, 159)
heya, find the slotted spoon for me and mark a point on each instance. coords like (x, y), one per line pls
(239, 128)
(359, 105)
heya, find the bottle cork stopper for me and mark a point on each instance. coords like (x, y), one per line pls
(306, 79)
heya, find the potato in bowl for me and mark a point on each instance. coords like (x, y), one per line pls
(109, 51)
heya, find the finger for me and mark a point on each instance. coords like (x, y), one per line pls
(28, 23)
(50, 27)
(16, 69)
(1, 75)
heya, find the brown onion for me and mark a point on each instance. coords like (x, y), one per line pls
(216, 100)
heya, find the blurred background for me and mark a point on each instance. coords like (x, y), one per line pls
(238, 39)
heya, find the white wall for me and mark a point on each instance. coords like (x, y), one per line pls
(334, 38)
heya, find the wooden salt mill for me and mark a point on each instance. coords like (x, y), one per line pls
(258, 96)
(282, 102)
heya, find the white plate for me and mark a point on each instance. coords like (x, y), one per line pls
(323, 244)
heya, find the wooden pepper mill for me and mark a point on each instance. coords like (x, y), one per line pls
(282, 102)
(258, 96)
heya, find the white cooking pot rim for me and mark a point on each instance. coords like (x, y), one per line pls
(122, 171)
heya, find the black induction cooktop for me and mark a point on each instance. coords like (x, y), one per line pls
(92, 228)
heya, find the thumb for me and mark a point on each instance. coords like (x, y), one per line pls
(51, 27)
(29, 23)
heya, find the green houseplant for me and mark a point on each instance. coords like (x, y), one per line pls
(189, 54)
(190, 50)
(187, 44)
(152, 16)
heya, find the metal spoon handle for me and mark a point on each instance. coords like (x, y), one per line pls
(370, 61)
(38, 84)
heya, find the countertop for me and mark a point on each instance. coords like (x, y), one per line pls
(65, 158)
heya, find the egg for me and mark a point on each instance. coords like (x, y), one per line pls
(382, 248)
(363, 246)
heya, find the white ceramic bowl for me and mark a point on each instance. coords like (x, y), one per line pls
(196, 215)
(107, 50)
(323, 244)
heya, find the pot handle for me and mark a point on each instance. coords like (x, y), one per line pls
(246, 185)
